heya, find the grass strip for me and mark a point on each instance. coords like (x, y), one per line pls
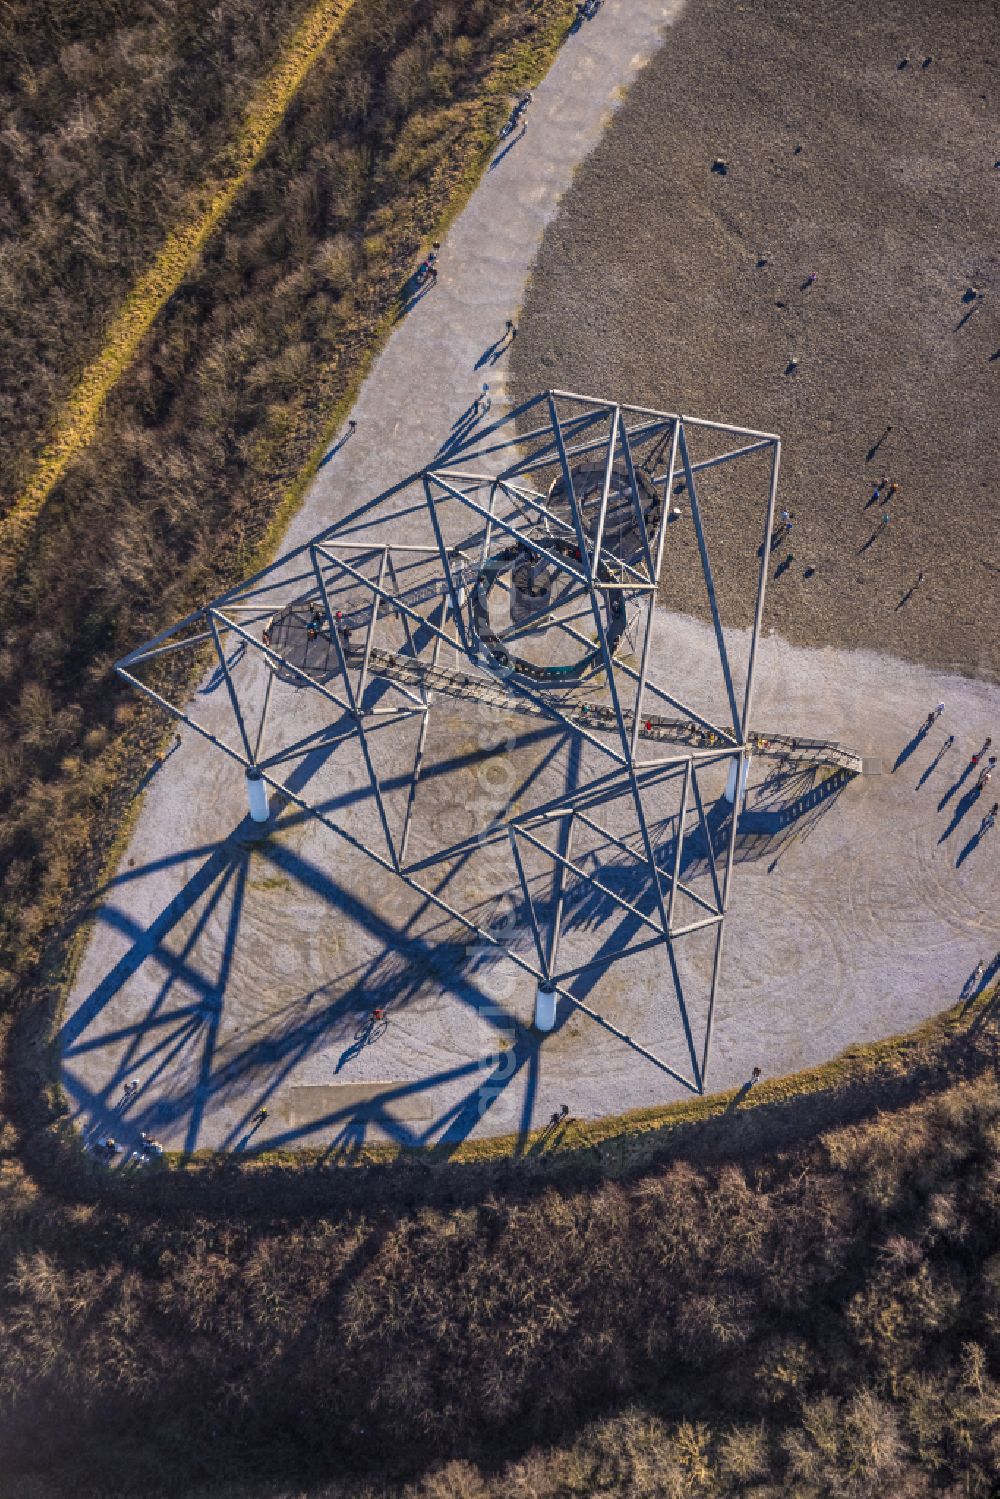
(81, 415)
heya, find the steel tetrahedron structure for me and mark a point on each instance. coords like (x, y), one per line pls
(526, 588)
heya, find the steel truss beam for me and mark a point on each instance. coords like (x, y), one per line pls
(485, 489)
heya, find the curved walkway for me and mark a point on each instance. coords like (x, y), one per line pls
(227, 971)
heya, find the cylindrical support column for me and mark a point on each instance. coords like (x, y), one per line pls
(545, 1007)
(257, 796)
(741, 768)
(460, 593)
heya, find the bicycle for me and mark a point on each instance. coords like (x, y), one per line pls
(372, 1028)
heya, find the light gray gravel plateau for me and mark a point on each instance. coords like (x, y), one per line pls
(228, 971)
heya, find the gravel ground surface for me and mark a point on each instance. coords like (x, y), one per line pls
(230, 968)
(883, 180)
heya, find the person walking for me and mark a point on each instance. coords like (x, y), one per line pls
(352, 427)
(258, 1119)
(509, 331)
(984, 779)
(990, 819)
(484, 399)
(885, 519)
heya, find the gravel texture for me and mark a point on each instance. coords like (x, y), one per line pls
(883, 180)
(229, 968)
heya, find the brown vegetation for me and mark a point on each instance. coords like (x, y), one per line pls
(114, 116)
(728, 1319)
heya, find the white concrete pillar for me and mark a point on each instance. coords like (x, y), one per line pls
(459, 653)
(545, 1007)
(739, 767)
(257, 796)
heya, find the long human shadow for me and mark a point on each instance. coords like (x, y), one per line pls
(973, 843)
(932, 767)
(461, 431)
(411, 292)
(494, 351)
(975, 985)
(876, 445)
(360, 1043)
(337, 447)
(871, 540)
(912, 746)
(956, 786)
(966, 804)
(502, 155)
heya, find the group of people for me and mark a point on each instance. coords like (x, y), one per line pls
(317, 623)
(982, 761)
(516, 116)
(427, 269)
(106, 1147)
(885, 492)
